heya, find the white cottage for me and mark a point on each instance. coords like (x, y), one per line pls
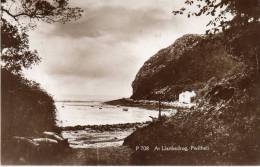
(185, 97)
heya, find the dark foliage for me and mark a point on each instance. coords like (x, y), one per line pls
(45, 10)
(15, 50)
(243, 43)
(226, 118)
(238, 20)
(226, 14)
(26, 110)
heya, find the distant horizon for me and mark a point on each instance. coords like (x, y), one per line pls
(89, 98)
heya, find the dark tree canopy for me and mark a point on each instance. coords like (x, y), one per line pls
(18, 16)
(226, 14)
(15, 50)
(239, 22)
(45, 10)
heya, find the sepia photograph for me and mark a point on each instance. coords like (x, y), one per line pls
(130, 82)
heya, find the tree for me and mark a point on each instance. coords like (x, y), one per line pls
(15, 51)
(239, 22)
(226, 14)
(27, 110)
(45, 10)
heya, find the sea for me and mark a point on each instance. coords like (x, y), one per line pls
(74, 113)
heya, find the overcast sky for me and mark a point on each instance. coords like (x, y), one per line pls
(100, 54)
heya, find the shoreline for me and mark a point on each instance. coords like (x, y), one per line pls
(93, 132)
(123, 102)
(150, 105)
(106, 127)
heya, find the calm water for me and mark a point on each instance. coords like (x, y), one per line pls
(97, 113)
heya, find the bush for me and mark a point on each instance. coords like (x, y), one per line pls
(26, 109)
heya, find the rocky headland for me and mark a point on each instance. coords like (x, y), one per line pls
(187, 64)
(225, 119)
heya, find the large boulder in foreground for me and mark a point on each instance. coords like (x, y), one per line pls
(185, 65)
(46, 148)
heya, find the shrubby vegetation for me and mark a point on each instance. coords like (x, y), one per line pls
(26, 109)
(226, 118)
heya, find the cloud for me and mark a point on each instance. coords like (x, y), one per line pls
(98, 45)
(102, 52)
(89, 58)
(118, 23)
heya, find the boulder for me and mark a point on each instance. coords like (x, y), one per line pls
(43, 141)
(53, 135)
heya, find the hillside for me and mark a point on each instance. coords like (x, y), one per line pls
(26, 112)
(224, 127)
(187, 64)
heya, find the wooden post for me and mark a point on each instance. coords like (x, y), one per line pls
(257, 63)
(159, 116)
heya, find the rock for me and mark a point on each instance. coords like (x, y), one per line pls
(24, 150)
(61, 141)
(45, 141)
(125, 109)
(25, 141)
(53, 135)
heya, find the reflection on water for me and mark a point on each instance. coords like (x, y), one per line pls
(96, 113)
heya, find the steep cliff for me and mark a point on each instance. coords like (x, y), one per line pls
(185, 65)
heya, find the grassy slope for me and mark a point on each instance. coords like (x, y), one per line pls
(227, 119)
(100, 156)
(87, 156)
(226, 122)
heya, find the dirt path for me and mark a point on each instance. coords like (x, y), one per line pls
(96, 156)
